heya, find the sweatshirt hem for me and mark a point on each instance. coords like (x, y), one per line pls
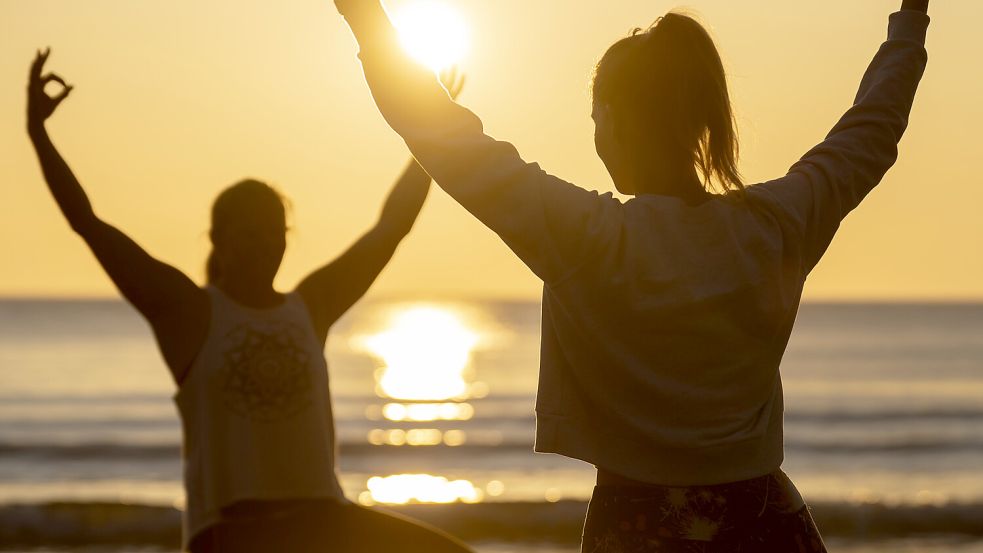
(668, 466)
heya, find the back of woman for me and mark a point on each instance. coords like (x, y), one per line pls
(670, 346)
(665, 318)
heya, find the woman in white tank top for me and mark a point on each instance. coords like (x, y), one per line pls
(259, 442)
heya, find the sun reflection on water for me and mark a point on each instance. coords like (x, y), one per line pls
(400, 489)
(422, 412)
(426, 353)
(417, 437)
(426, 379)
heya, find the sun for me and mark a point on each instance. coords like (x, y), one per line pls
(433, 33)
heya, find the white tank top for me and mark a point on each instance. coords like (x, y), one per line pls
(256, 412)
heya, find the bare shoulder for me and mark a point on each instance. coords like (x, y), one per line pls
(181, 332)
(314, 302)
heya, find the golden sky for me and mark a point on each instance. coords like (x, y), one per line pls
(177, 99)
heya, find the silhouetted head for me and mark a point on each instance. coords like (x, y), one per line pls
(249, 226)
(661, 109)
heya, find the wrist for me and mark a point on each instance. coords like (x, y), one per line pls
(367, 20)
(915, 5)
(362, 11)
(36, 128)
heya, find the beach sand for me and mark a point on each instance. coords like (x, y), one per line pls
(492, 527)
(940, 545)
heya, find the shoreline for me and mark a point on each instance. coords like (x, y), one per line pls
(73, 525)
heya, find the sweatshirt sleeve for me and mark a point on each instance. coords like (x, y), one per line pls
(834, 177)
(550, 224)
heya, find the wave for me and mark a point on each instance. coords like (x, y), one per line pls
(89, 451)
(886, 446)
(73, 524)
(157, 411)
(155, 452)
(967, 414)
(167, 418)
(161, 451)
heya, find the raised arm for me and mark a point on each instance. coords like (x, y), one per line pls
(550, 224)
(915, 5)
(834, 177)
(170, 301)
(331, 290)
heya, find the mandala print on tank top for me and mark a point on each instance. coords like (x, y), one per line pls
(266, 375)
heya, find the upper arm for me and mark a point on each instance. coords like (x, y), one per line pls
(152, 286)
(552, 225)
(549, 223)
(329, 292)
(834, 177)
(172, 303)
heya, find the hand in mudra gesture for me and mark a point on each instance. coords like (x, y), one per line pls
(41, 105)
(453, 80)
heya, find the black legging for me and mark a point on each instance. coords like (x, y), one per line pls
(753, 516)
(323, 527)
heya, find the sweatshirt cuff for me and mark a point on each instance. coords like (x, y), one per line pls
(909, 25)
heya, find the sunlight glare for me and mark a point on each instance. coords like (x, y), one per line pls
(433, 33)
(416, 437)
(426, 351)
(423, 412)
(400, 489)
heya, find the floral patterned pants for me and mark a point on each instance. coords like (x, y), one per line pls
(754, 516)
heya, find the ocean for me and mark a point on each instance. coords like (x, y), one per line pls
(434, 408)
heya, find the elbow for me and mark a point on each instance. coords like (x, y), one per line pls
(391, 232)
(394, 233)
(84, 226)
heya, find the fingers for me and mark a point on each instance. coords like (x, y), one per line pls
(38, 84)
(450, 75)
(64, 94)
(446, 76)
(459, 85)
(38, 66)
(53, 77)
(453, 81)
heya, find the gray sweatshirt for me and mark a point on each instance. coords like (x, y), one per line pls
(664, 324)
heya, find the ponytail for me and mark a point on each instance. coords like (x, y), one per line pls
(667, 89)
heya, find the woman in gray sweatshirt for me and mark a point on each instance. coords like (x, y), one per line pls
(665, 317)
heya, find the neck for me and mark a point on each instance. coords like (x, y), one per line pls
(251, 294)
(681, 182)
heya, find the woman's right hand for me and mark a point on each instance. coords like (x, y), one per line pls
(917, 5)
(40, 106)
(453, 80)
